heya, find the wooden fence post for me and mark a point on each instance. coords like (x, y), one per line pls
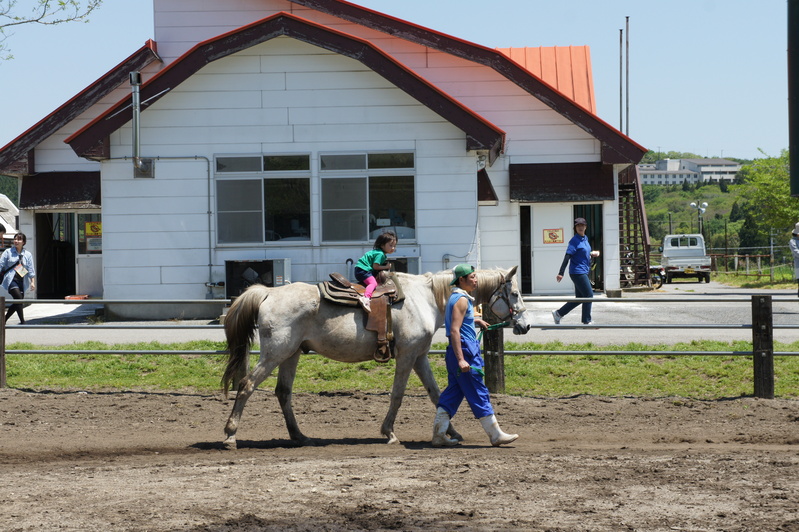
(2, 345)
(763, 346)
(494, 355)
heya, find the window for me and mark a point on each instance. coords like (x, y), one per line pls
(365, 194)
(263, 198)
(287, 209)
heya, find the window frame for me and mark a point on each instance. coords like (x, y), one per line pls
(365, 174)
(261, 176)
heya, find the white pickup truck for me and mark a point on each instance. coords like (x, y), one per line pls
(685, 256)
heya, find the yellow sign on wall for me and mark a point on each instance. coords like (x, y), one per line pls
(93, 229)
(553, 236)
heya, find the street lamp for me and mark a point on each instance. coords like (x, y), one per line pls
(700, 210)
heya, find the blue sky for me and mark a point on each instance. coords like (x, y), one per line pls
(706, 76)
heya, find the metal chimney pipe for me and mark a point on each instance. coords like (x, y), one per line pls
(135, 81)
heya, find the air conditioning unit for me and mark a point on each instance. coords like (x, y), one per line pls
(406, 264)
(239, 274)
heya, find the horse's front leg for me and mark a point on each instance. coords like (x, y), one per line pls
(246, 388)
(425, 373)
(285, 383)
(401, 374)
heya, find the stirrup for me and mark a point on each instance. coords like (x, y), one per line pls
(382, 354)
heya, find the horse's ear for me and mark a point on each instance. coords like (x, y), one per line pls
(510, 274)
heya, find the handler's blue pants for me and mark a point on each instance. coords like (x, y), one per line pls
(467, 385)
(582, 288)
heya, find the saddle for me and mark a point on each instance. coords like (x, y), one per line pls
(341, 291)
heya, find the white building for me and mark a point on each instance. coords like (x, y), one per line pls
(300, 129)
(678, 171)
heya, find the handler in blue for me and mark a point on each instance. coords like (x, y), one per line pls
(578, 257)
(465, 365)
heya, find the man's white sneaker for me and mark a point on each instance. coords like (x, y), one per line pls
(556, 316)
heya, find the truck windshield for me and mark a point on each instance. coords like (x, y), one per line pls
(684, 242)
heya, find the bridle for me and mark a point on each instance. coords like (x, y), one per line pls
(502, 295)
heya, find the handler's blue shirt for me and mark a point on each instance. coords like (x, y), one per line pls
(468, 332)
(580, 251)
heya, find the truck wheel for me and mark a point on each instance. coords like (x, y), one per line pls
(707, 277)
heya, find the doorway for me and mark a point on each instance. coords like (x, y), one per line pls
(69, 254)
(544, 232)
(593, 215)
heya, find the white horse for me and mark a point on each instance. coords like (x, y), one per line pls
(293, 319)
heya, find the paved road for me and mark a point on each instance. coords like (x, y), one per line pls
(618, 321)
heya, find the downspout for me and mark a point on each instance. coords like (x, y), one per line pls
(210, 284)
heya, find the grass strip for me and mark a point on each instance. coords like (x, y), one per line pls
(653, 375)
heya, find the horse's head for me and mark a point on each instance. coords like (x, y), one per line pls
(506, 303)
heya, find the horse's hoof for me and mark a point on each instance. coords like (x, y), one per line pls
(303, 441)
(229, 444)
(392, 439)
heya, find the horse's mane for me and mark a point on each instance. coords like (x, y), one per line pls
(487, 283)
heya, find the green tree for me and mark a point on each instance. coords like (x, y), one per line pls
(652, 193)
(737, 212)
(753, 240)
(44, 13)
(8, 186)
(769, 193)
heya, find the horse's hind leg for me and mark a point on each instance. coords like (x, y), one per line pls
(285, 382)
(246, 388)
(422, 369)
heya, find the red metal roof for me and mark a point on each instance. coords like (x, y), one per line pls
(566, 68)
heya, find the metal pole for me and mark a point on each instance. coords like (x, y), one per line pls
(793, 94)
(621, 79)
(627, 77)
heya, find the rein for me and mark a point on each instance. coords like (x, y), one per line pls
(491, 328)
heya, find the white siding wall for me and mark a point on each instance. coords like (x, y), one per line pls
(280, 96)
(535, 133)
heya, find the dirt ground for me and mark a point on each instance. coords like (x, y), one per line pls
(154, 461)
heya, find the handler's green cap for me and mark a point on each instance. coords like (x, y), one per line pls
(461, 270)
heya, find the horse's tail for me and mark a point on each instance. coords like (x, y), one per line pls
(240, 323)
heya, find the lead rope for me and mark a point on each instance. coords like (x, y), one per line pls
(491, 328)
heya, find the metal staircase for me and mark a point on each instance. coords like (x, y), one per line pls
(633, 231)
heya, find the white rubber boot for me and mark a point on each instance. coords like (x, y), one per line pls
(440, 426)
(491, 426)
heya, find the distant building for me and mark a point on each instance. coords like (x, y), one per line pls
(677, 171)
